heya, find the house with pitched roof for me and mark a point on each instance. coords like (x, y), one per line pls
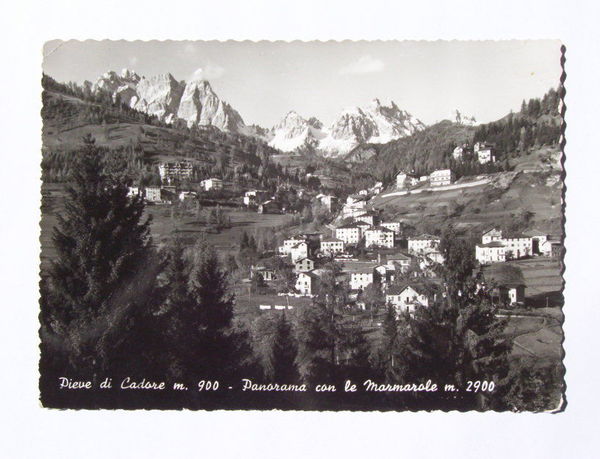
(306, 283)
(407, 297)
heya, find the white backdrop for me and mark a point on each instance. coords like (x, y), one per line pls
(30, 431)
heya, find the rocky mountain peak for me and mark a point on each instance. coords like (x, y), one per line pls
(372, 123)
(162, 95)
(129, 75)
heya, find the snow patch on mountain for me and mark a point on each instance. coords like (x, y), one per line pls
(374, 123)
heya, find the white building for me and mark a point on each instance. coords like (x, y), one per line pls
(349, 234)
(433, 256)
(187, 195)
(518, 247)
(538, 238)
(485, 156)
(394, 226)
(361, 274)
(332, 246)
(354, 209)
(491, 252)
(306, 283)
(514, 247)
(441, 177)
(153, 194)
(253, 197)
(405, 180)
(485, 153)
(212, 184)
(406, 298)
(133, 191)
(299, 251)
(288, 244)
(492, 235)
(359, 280)
(377, 188)
(424, 243)
(379, 237)
(180, 170)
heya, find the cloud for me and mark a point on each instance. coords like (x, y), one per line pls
(365, 64)
(210, 71)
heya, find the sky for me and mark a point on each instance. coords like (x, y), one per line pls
(265, 80)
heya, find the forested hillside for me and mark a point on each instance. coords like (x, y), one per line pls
(536, 125)
(71, 112)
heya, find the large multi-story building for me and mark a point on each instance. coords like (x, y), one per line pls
(514, 247)
(178, 170)
(518, 247)
(491, 252)
(441, 177)
(153, 194)
(350, 234)
(379, 236)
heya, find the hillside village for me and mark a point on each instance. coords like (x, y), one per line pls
(384, 236)
(373, 251)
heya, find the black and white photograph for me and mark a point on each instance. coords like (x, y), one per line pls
(363, 226)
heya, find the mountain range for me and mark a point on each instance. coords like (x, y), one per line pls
(195, 103)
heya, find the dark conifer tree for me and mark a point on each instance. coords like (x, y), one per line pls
(284, 351)
(221, 350)
(102, 247)
(459, 338)
(244, 240)
(321, 330)
(390, 357)
(355, 353)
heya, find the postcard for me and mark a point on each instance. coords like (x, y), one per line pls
(356, 225)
